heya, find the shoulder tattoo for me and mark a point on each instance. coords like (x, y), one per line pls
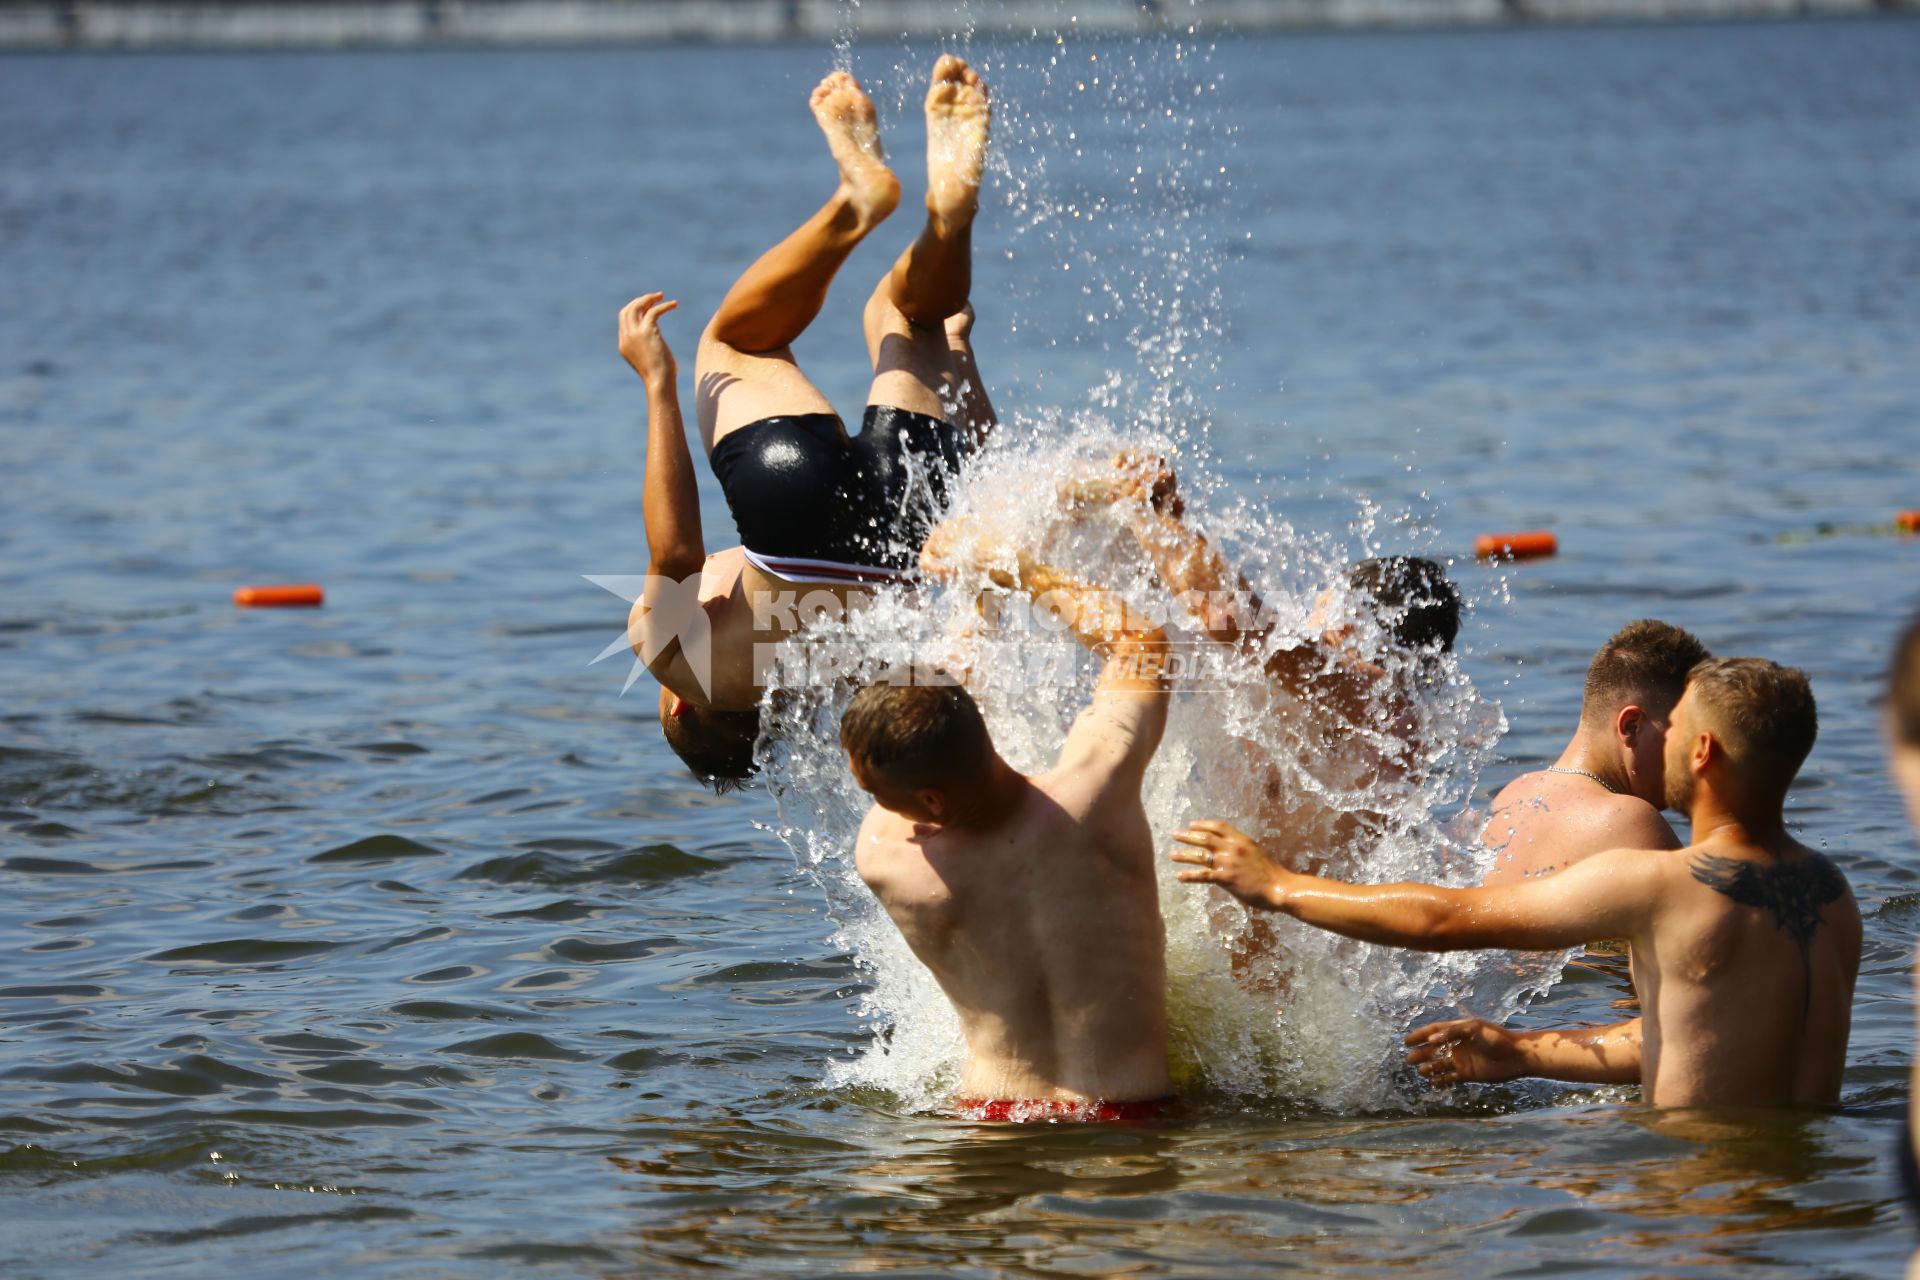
(1794, 892)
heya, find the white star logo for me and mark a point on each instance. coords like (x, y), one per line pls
(670, 611)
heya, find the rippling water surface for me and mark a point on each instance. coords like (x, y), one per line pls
(386, 936)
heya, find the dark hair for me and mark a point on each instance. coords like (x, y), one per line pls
(1412, 598)
(915, 727)
(1764, 711)
(1645, 662)
(717, 745)
(1903, 686)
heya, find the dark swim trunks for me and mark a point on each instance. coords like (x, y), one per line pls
(808, 500)
(1051, 1110)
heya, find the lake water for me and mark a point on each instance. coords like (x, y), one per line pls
(388, 938)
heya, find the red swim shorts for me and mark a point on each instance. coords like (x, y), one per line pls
(1054, 1110)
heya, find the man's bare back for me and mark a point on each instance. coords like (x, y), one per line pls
(1032, 900)
(1543, 822)
(1043, 929)
(1746, 976)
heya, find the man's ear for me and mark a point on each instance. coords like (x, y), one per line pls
(1628, 722)
(933, 800)
(1706, 750)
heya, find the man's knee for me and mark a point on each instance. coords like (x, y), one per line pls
(882, 319)
(889, 330)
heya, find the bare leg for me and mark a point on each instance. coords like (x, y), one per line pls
(973, 411)
(933, 277)
(744, 368)
(907, 319)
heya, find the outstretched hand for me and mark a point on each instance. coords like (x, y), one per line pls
(1147, 479)
(1465, 1051)
(964, 544)
(1220, 853)
(640, 340)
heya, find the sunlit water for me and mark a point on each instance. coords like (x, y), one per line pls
(384, 936)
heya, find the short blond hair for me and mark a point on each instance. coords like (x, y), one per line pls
(1764, 713)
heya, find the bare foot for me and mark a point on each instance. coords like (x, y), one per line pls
(958, 120)
(846, 116)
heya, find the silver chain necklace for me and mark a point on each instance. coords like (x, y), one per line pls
(1554, 768)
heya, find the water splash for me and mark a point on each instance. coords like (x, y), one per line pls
(1098, 140)
(1257, 1007)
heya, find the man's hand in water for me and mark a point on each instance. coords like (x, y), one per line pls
(1143, 478)
(641, 343)
(1466, 1051)
(1472, 1050)
(1221, 854)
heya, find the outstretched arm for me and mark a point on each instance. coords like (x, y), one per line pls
(1218, 595)
(1129, 712)
(670, 500)
(1098, 618)
(1610, 895)
(1475, 1051)
(1146, 493)
(1118, 733)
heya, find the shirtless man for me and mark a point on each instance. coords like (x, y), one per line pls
(1746, 944)
(1608, 787)
(1031, 899)
(822, 517)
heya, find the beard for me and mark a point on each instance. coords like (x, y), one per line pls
(1679, 789)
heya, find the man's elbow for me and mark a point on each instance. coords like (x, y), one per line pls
(677, 560)
(1441, 923)
(636, 635)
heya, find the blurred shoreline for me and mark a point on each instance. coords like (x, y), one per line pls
(147, 24)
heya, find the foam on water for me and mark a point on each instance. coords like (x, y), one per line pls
(1116, 135)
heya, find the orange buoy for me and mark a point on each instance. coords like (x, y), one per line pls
(292, 595)
(1909, 521)
(1515, 546)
